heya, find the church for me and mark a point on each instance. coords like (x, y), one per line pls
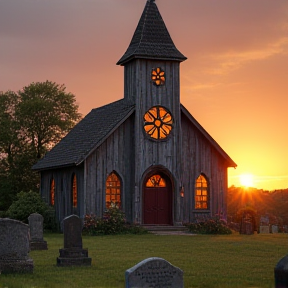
(145, 153)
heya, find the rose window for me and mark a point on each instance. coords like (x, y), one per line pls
(158, 76)
(158, 122)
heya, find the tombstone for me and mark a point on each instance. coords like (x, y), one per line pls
(264, 229)
(14, 247)
(281, 273)
(154, 272)
(247, 224)
(36, 232)
(274, 229)
(73, 254)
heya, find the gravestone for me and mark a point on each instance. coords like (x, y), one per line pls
(274, 229)
(281, 273)
(36, 232)
(247, 224)
(154, 272)
(73, 254)
(14, 247)
(264, 229)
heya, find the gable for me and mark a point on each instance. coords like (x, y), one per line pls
(87, 135)
(206, 135)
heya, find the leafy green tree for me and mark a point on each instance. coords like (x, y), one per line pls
(45, 114)
(32, 121)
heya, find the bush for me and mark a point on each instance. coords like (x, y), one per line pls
(209, 226)
(113, 222)
(28, 203)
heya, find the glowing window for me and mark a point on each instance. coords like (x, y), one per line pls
(201, 193)
(158, 76)
(156, 181)
(74, 191)
(52, 192)
(113, 190)
(158, 122)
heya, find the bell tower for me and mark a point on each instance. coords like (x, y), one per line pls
(151, 81)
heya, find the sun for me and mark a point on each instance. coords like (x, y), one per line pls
(246, 180)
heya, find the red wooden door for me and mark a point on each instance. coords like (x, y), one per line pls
(157, 206)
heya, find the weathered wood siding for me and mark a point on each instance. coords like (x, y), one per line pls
(199, 157)
(63, 190)
(116, 154)
(148, 153)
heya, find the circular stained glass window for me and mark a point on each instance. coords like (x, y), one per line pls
(158, 122)
(158, 76)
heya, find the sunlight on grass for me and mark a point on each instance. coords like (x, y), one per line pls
(207, 261)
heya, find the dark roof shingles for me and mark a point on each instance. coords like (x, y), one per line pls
(151, 39)
(86, 135)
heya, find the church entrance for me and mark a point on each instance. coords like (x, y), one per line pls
(157, 200)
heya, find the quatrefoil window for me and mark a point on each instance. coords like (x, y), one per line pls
(158, 122)
(158, 76)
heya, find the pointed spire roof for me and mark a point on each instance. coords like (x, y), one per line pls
(151, 39)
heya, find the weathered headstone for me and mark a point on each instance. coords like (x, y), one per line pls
(274, 229)
(247, 224)
(36, 232)
(73, 254)
(264, 229)
(281, 273)
(14, 247)
(154, 272)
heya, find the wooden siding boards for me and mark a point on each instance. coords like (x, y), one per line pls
(63, 190)
(114, 154)
(202, 157)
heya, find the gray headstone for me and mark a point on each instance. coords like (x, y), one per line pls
(72, 232)
(281, 273)
(264, 230)
(36, 232)
(154, 272)
(14, 247)
(274, 229)
(73, 254)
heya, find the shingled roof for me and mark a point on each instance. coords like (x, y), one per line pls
(87, 135)
(151, 39)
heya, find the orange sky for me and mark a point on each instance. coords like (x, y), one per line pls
(235, 81)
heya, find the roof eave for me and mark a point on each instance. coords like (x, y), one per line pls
(217, 147)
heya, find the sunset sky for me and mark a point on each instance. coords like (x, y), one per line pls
(235, 81)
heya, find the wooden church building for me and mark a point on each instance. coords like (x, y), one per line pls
(145, 152)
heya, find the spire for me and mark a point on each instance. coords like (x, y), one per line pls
(151, 39)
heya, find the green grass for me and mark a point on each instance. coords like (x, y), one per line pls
(207, 261)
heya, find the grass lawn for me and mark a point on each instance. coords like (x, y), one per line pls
(207, 261)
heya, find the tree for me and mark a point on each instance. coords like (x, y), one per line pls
(45, 114)
(32, 121)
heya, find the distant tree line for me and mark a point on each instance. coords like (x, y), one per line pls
(32, 121)
(272, 204)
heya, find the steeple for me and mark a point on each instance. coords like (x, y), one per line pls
(151, 39)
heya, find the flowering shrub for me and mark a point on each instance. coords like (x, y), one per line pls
(112, 222)
(209, 226)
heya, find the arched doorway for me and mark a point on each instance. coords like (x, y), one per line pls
(157, 200)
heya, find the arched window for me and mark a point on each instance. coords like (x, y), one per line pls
(74, 191)
(201, 193)
(52, 192)
(155, 181)
(113, 190)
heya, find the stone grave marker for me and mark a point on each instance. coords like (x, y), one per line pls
(274, 229)
(154, 272)
(36, 232)
(14, 247)
(264, 229)
(281, 273)
(73, 254)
